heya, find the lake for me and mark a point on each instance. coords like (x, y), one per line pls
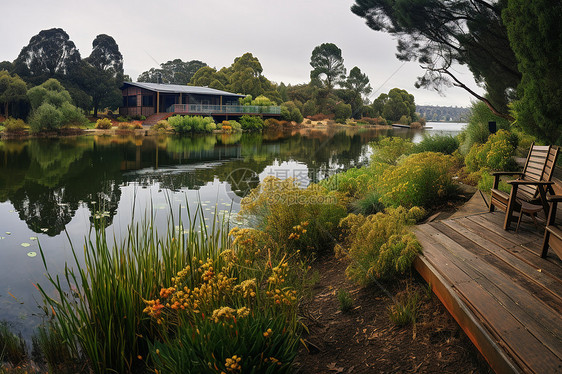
(52, 190)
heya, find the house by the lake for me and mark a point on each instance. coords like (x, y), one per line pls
(152, 98)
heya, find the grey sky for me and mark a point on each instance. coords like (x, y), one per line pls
(282, 34)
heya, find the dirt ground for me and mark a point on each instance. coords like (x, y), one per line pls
(364, 340)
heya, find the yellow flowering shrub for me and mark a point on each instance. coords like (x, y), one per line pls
(389, 149)
(228, 313)
(496, 154)
(381, 245)
(421, 179)
(294, 218)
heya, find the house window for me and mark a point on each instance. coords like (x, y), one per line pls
(131, 101)
(147, 100)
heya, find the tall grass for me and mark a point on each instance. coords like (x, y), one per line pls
(12, 347)
(98, 304)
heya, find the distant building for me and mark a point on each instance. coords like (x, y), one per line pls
(151, 98)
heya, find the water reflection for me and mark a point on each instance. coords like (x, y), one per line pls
(48, 186)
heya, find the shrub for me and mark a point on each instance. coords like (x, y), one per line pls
(161, 125)
(45, 117)
(486, 182)
(236, 126)
(271, 122)
(104, 124)
(14, 125)
(320, 117)
(251, 123)
(421, 179)
(438, 143)
(404, 120)
(137, 125)
(369, 204)
(124, 126)
(72, 115)
(497, 153)
(416, 125)
(210, 126)
(342, 112)
(295, 218)
(354, 182)
(123, 119)
(309, 108)
(389, 149)
(379, 246)
(345, 300)
(178, 124)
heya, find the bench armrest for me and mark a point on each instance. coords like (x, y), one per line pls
(499, 173)
(554, 198)
(524, 182)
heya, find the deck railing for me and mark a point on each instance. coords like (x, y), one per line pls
(223, 109)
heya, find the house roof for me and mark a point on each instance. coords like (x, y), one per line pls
(177, 88)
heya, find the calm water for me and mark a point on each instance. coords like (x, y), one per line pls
(50, 188)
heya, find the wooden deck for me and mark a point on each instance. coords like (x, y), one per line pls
(506, 298)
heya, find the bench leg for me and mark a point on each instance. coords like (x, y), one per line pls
(545, 243)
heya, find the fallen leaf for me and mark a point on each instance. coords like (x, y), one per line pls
(332, 367)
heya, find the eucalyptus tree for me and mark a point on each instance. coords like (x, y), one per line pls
(172, 72)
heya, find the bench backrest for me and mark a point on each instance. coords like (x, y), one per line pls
(539, 167)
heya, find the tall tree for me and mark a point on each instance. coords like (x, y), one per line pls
(536, 37)
(358, 85)
(172, 72)
(49, 54)
(102, 73)
(327, 65)
(438, 33)
(105, 55)
(12, 91)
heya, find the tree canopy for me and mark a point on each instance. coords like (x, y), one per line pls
(172, 72)
(536, 37)
(327, 65)
(12, 91)
(50, 53)
(395, 104)
(437, 33)
(105, 55)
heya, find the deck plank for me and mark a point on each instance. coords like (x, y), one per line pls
(497, 280)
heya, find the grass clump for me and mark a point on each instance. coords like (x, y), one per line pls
(445, 144)
(345, 300)
(404, 311)
(12, 346)
(379, 246)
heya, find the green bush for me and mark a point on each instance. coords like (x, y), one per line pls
(369, 204)
(184, 124)
(46, 117)
(251, 123)
(342, 112)
(379, 246)
(236, 126)
(123, 119)
(389, 149)
(295, 218)
(496, 154)
(161, 125)
(14, 125)
(421, 179)
(446, 144)
(72, 115)
(291, 113)
(103, 123)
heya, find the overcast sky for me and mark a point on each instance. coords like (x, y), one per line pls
(281, 34)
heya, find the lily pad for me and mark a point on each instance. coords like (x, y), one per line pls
(1, 237)
(32, 238)
(31, 254)
(25, 244)
(8, 233)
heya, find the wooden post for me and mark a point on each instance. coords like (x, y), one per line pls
(157, 102)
